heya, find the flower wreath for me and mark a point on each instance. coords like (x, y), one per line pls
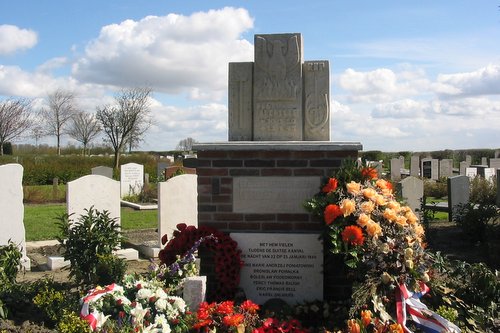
(225, 250)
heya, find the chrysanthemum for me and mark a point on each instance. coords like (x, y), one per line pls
(332, 211)
(353, 235)
(330, 186)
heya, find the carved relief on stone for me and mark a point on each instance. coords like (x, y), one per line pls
(240, 101)
(316, 101)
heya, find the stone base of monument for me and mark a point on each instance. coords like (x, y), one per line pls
(255, 190)
(55, 263)
(139, 206)
(127, 254)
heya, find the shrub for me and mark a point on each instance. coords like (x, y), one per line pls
(475, 220)
(438, 189)
(10, 259)
(483, 191)
(88, 243)
(54, 301)
(72, 323)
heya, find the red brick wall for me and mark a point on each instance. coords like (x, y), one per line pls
(216, 169)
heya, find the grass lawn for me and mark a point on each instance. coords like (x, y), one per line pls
(40, 221)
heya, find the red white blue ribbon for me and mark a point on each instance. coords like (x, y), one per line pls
(95, 318)
(408, 304)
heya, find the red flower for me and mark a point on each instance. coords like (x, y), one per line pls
(353, 235)
(164, 239)
(226, 307)
(233, 320)
(249, 306)
(332, 211)
(369, 173)
(331, 185)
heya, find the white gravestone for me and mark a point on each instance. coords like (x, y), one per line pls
(98, 191)
(177, 203)
(411, 190)
(195, 289)
(471, 172)
(12, 208)
(285, 266)
(131, 179)
(103, 171)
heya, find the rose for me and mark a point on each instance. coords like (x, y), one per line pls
(363, 220)
(369, 193)
(367, 206)
(347, 207)
(353, 188)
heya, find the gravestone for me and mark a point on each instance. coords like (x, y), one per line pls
(194, 291)
(484, 161)
(463, 166)
(377, 165)
(445, 168)
(177, 203)
(468, 159)
(411, 190)
(489, 173)
(279, 97)
(285, 266)
(402, 161)
(495, 163)
(458, 193)
(101, 192)
(471, 172)
(131, 179)
(103, 171)
(395, 169)
(12, 209)
(415, 166)
(430, 168)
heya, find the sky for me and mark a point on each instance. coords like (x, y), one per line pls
(404, 75)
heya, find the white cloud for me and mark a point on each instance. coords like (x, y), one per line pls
(406, 108)
(13, 39)
(484, 81)
(172, 53)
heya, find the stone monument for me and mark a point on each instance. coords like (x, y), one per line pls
(279, 97)
(254, 186)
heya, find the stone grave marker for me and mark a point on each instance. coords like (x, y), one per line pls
(402, 161)
(484, 161)
(103, 171)
(411, 190)
(377, 165)
(430, 168)
(489, 173)
(12, 208)
(445, 168)
(495, 163)
(285, 266)
(395, 169)
(458, 192)
(194, 291)
(101, 192)
(177, 203)
(468, 159)
(463, 166)
(131, 179)
(471, 172)
(415, 166)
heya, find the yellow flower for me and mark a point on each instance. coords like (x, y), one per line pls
(353, 188)
(394, 205)
(347, 207)
(411, 218)
(395, 328)
(363, 220)
(390, 214)
(386, 278)
(369, 193)
(367, 206)
(408, 253)
(401, 220)
(425, 277)
(382, 184)
(409, 264)
(373, 229)
(380, 200)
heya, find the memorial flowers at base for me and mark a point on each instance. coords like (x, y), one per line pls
(382, 243)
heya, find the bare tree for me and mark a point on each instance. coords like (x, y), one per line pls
(128, 119)
(186, 144)
(15, 119)
(60, 110)
(84, 127)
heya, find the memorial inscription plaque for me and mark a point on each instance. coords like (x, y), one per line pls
(285, 266)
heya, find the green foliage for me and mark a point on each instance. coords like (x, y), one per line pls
(436, 189)
(72, 323)
(10, 259)
(88, 243)
(476, 220)
(483, 191)
(7, 148)
(37, 194)
(54, 301)
(110, 269)
(472, 290)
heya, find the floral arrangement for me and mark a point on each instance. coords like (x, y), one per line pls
(225, 250)
(227, 317)
(379, 237)
(140, 304)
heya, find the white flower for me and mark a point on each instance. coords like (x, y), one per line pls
(100, 318)
(162, 322)
(144, 293)
(138, 313)
(161, 304)
(160, 293)
(179, 303)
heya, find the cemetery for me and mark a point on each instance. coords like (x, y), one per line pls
(278, 229)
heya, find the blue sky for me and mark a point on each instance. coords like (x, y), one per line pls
(405, 75)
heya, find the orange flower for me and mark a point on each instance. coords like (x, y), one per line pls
(353, 235)
(366, 317)
(411, 218)
(379, 200)
(348, 207)
(226, 307)
(353, 188)
(363, 220)
(367, 206)
(353, 326)
(369, 173)
(394, 205)
(233, 320)
(390, 214)
(395, 328)
(331, 185)
(249, 306)
(332, 211)
(401, 220)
